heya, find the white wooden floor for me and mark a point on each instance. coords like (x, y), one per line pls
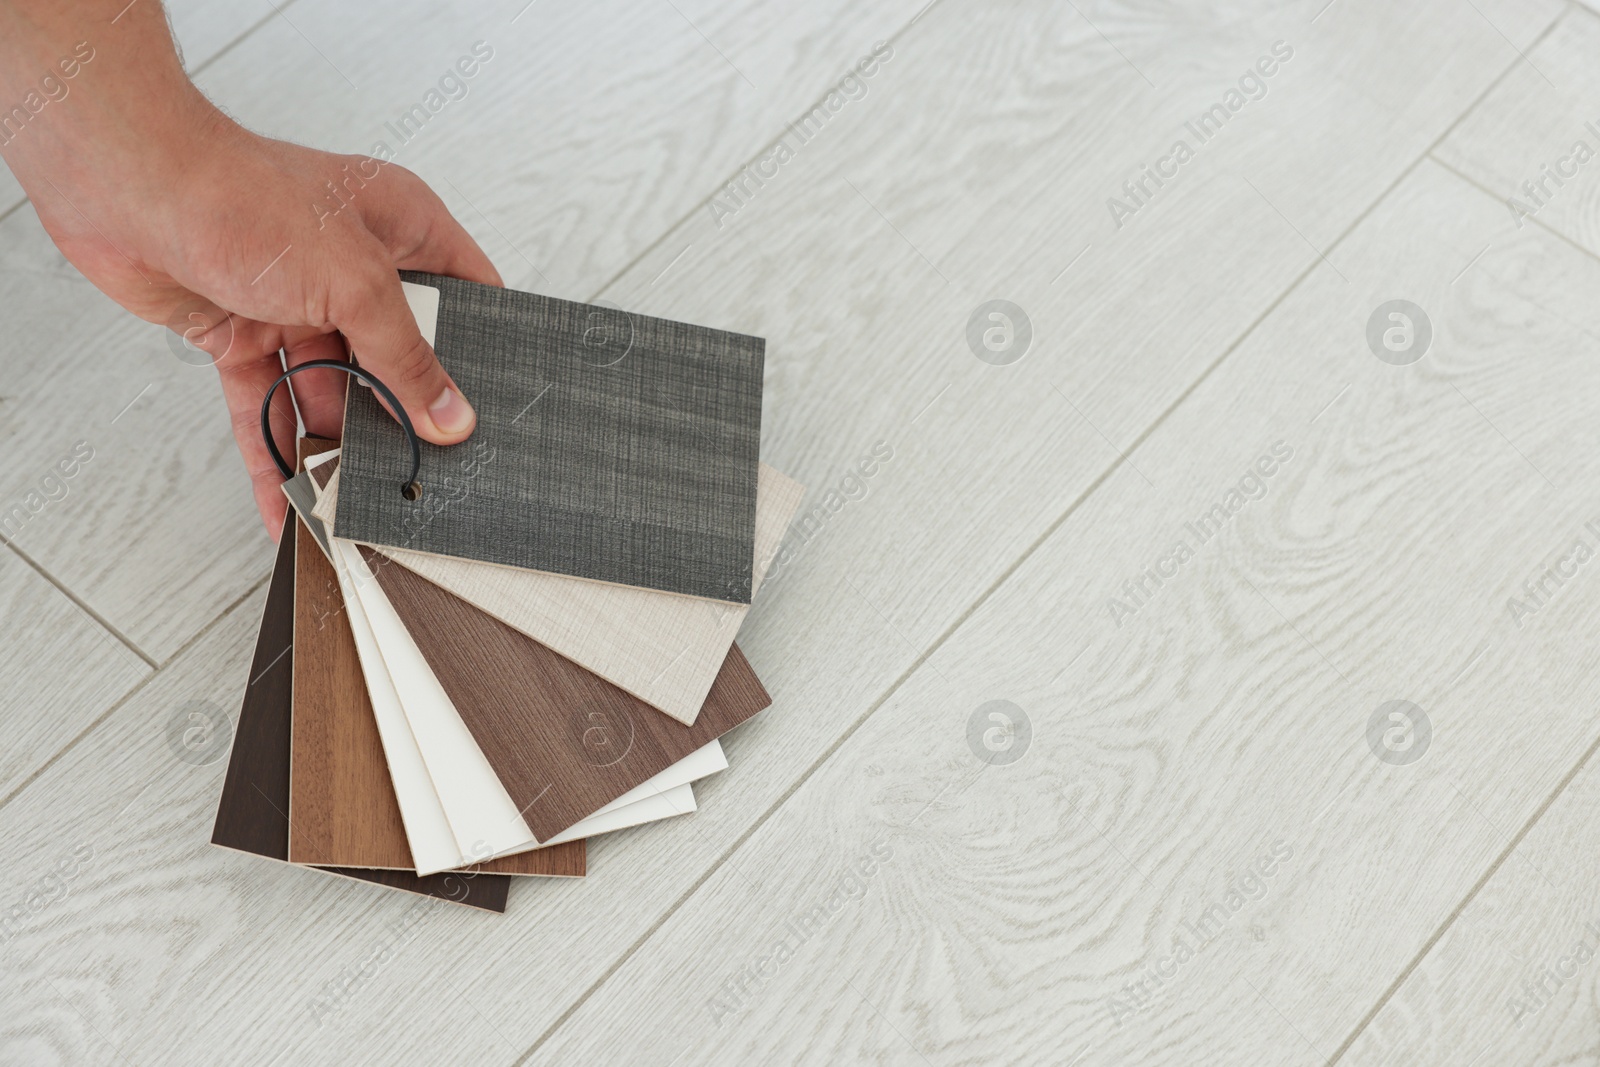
(1206, 852)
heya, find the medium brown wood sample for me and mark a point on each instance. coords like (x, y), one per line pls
(342, 805)
(563, 741)
(253, 811)
(342, 808)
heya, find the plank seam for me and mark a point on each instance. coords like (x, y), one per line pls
(82, 605)
(768, 146)
(200, 68)
(1532, 220)
(131, 693)
(1466, 901)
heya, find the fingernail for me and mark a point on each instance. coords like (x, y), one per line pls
(451, 413)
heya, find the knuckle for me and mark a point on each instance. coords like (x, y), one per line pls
(413, 366)
(372, 286)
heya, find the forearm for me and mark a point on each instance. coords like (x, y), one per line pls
(89, 88)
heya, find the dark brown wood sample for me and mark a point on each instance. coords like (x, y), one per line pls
(342, 805)
(253, 812)
(563, 741)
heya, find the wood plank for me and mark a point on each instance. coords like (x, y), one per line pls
(158, 574)
(1199, 771)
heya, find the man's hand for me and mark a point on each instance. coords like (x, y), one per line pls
(244, 244)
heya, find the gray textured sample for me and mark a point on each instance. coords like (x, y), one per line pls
(609, 446)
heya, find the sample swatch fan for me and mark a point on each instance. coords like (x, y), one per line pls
(473, 658)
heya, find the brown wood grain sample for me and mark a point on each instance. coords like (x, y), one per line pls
(253, 811)
(342, 806)
(563, 741)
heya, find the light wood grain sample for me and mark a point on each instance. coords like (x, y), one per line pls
(663, 648)
(610, 446)
(253, 811)
(343, 809)
(562, 740)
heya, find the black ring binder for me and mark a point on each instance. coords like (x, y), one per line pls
(361, 374)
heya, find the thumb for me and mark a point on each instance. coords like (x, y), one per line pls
(370, 309)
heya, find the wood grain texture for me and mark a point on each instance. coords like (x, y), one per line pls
(253, 807)
(1000, 146)
(253, 810)
(342, 809)
(1033, 911)
(664, 649)
(342, 806)
(414, 770)
(157, 575)
(563, 742)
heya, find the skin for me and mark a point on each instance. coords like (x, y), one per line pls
(183, 217)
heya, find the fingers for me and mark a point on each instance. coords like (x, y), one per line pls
(244, 383)
(319, 394)
(367, 305)
(273, 506)
(419, 231)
